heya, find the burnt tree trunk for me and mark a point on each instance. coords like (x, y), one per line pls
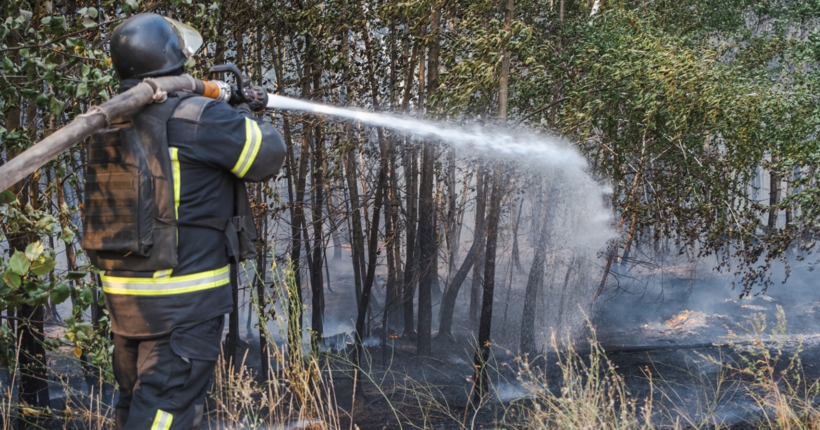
(535, 282)
(448, 301)
(426, 252)
(478, 265)
(411, 254)
(485, 323)
(515, 251)
(357, 244)
(372, 251)
(296, 211)
(316, 276)
(427, 228)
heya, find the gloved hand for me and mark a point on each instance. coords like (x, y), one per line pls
(244, 109)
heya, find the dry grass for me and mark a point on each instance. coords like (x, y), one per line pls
(588, 392)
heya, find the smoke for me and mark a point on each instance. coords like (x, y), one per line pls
(645, 295)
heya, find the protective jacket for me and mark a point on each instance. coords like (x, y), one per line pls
(213, 151)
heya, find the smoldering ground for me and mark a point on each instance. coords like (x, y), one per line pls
(681, 321)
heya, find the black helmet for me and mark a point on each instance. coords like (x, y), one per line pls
(149, 45)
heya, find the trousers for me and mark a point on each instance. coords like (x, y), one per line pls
(163, 380)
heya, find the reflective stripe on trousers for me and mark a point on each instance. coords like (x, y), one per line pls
(165, 286)
(162, 421)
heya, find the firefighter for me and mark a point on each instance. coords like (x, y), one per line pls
(166, 212)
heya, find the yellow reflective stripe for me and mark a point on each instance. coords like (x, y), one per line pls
(162, 421)
(165, 273)
(256, 147)
(176, 172)
(253, 140)
(165, 286)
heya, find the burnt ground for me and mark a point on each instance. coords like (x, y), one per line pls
(680, 338)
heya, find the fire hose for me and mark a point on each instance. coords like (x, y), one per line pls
(150, 90)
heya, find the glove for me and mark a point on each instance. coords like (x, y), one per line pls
(256, 97)
(244, 109)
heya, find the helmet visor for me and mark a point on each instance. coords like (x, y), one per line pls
(191, 39)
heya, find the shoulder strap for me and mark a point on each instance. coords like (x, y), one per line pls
(191, 108)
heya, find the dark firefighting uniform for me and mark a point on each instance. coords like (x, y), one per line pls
(168, 324)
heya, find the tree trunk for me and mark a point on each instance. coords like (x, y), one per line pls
(411, 254)
(478, 266)
(333, 211)
(515, 251)
(535, 282)
(426, 251)
(427, 228)
(448, 302)
(295, 177)
(357, 246)
(485, 323)
(372, 251)
(774, 200)
(261, 270)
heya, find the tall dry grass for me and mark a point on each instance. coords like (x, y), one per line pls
(587, 390)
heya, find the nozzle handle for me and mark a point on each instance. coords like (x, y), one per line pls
(255, 97)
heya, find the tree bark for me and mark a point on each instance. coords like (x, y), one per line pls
(485, 323)
(411, 254)
(426, 252)
(478, 266)
(535, 282)
(427, 229)
(448, 302)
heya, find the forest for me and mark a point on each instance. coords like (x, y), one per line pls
(416, 280)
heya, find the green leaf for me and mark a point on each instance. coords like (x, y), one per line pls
(41, 101)
(87, 296)
(31, 287)
(75, 274)
(133, 4)
(82, 90)
(66, 235)
(26, 15)
(45, 222)
(41, 268)
(92, 12)
(57, 24)
(8, 65)
(33, 250)
(88, 22)
(12, 279)
(19, 263)
(56, 106)
(7, 197)
(60, 293)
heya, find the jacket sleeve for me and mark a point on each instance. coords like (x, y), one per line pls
(251, 149)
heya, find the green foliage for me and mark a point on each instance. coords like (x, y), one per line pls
(678, 104)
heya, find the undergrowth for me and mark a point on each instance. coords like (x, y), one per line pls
(583, 389)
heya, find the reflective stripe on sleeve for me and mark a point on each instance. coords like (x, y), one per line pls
(165, 286)
(177, 179)
(253, 140)
(176, 171)
(162, 421)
